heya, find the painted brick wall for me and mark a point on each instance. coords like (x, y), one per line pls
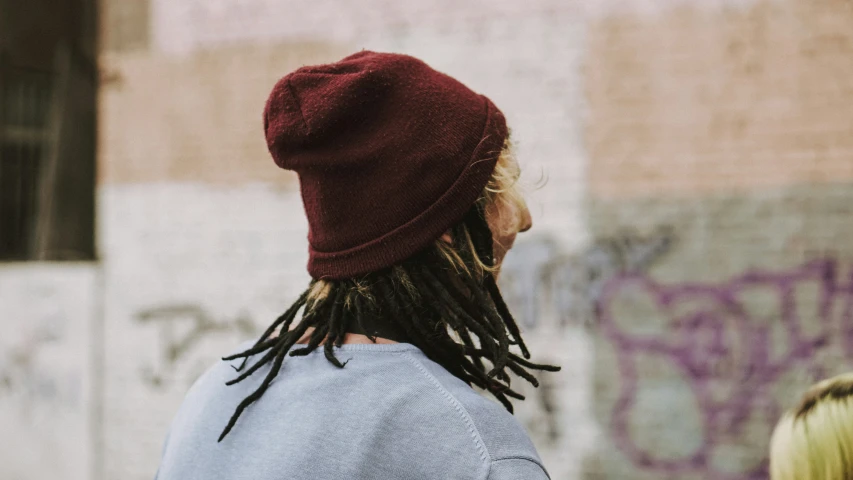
(688, 265)
(726, 127)
(203, 238)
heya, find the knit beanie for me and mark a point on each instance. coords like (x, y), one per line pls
(390, 154)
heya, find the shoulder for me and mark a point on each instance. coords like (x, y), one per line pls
(514, 468)
(503, 438)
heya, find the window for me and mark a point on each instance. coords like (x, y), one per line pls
(48, 90)
(47, 159)
(24, 101)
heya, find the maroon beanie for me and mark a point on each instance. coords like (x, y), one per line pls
(390, 154)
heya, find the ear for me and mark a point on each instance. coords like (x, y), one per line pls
(446, 238)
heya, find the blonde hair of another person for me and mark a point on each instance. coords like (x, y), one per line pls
(814, 441)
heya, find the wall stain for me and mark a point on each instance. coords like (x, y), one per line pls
(182, 329)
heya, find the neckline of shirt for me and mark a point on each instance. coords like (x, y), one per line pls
(352, 347)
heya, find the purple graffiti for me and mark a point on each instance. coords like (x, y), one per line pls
(728, 354)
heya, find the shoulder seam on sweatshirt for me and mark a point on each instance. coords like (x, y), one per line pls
(519, 457)
(466, 417)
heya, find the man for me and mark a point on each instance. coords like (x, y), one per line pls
(409, 188)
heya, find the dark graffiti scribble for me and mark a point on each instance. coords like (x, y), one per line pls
(540, 282)
(23, 375)
(182, 328)
(728, 355)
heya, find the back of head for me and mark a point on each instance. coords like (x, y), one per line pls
(399, 168)
(815, 440)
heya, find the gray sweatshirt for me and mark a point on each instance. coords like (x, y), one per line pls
(390, 413)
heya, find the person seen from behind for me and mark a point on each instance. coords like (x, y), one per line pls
(409, 186)
(814, 441)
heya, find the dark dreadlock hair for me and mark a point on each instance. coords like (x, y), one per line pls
(443, 290)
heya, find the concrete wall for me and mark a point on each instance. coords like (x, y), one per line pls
(49, 353)
(688, 265)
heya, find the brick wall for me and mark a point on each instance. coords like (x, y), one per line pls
(203, 238)
(727, 127)
(688, 265)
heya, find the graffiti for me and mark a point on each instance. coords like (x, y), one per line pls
(728, 352)
(541, 282)
(728, 356)
(542, 285)
(25, 374)
(539, 412)
(182, 329)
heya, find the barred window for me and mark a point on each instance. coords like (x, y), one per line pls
(23, 134)
(47, 160)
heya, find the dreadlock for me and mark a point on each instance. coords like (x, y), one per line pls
(441, 292)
